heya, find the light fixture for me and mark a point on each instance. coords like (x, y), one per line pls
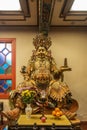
(10, 5)
(79, 5)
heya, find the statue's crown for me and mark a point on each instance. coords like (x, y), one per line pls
(42, 40)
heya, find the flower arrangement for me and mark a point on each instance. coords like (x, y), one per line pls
(28, 96)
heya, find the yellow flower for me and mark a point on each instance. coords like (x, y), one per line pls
(28, 96)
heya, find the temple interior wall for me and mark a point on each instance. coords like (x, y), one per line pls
(66, 43)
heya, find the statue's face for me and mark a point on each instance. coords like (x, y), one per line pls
(41, 52)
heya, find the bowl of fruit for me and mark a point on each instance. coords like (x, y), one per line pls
(57, 113)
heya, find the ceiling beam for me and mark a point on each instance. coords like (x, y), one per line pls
(25, 7)
(45, 15)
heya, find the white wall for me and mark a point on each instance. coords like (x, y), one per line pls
(70, 43)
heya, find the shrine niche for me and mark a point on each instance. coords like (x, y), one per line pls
(45, 81)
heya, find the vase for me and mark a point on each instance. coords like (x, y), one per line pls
(28, 110)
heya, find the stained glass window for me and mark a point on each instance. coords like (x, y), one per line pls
(5, 57)
(5, 85)
(7, 66)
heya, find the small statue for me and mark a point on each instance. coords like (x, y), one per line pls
(42, 74)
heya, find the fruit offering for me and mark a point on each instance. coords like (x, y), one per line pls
(43, 118)
(57, 112)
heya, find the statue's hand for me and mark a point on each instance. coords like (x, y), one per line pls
(23, 69)
(65, 68)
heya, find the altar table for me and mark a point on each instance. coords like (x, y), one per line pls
(35, 123)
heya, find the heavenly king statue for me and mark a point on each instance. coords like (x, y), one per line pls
(42, 76)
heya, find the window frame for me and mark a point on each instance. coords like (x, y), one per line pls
(11, 76)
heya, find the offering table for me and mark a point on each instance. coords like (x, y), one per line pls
(35, 123)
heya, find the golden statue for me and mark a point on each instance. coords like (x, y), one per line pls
(42, 75)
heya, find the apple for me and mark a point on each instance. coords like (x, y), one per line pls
(43, 119)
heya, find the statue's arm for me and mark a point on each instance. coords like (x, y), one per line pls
(27, 70)
(58, 73)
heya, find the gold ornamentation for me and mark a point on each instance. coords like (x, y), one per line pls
(42, 40)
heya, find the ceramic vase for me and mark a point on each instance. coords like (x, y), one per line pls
(28, 110)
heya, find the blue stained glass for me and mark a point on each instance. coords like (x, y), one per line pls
(5, 66)
(5, 51)
(5, 86)
(8, 46)
(1, 90)
(5, 128)
(1, 82)
(2, 59)
(9, 82)
(2, 71)
(8, 58)
(2, 46)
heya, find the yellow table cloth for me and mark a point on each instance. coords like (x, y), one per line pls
(63, 121)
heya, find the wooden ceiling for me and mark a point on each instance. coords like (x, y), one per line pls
(53, 13)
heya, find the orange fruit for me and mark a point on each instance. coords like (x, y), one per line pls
(57, 114)
(57, 109)
(53, 113)
(61, 113)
